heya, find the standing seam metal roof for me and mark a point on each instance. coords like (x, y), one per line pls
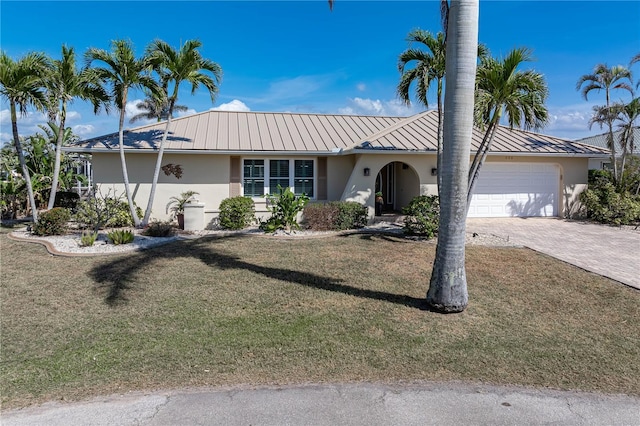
(299, 133)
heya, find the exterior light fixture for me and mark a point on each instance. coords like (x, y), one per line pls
(367, 171)
(434, 172)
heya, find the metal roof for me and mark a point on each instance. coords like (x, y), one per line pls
(601, 141)
(271, 132)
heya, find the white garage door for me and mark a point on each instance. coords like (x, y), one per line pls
(516, 189)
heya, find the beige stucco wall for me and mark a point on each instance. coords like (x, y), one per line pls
(360, 188)
(206, 174)
(209, 175)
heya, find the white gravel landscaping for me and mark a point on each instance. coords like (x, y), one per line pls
(70, 243)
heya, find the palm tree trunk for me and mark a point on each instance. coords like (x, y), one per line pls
(448, 287)
(440, 133)
(56, 166)
(23, 162)
(156, 173)
(123, 163)
(479, 159)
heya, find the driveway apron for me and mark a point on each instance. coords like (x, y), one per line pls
(608, 251)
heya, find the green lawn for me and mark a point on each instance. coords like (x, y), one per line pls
(260, 310)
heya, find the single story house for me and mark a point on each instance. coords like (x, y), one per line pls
(337, 157)
(601, 142)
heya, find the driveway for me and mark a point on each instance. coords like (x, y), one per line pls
(609, 251)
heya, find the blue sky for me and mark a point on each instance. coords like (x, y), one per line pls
(298, 56)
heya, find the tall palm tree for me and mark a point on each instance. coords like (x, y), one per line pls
(607, 79)
(154, 109)
(64, 84)
(629, 120)
(22, 85)
(429, 67)
(175, 67)
(123, 71)
(502, 89)
(448, 286)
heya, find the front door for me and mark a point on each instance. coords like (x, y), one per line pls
(385, 183)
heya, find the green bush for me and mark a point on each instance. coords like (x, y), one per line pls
(68, 200)
(158, 229)
(52, 222)
(284, 208)
(422, 216)
(335, 216)
(120, 236)
(351, 215)
(237, 212)
(604, 204)
(88, 238)
(109, 212)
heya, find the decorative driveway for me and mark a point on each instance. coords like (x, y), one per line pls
(609, 251)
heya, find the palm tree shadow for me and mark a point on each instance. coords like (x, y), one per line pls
(116, 278)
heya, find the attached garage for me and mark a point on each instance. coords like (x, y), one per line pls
(516, 190)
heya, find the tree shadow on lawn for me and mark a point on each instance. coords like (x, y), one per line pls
(115, 277)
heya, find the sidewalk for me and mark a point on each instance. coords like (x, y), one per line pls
(349, 404)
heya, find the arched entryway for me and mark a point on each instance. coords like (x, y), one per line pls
(399, 183)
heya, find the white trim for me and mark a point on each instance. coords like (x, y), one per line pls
(267, 175)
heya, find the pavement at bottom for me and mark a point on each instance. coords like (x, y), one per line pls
(610, 251)
(341, 404)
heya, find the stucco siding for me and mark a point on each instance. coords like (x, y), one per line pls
(206, 174)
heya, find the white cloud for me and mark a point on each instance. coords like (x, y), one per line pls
(234, 105)
(391, 107)
(190, 111)
(571, 122)
(83, 130)
(131, 109)
(361, 87)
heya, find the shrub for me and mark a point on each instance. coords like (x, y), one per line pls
(284, 208)
(108, 212)
(336, 215)
(320, 216)
(158, 229)
(604, 204)
(351, 215)
(237, 212)
(120, 236)
(68, 200)
(52, 222)
(422, 216)
(88, 238)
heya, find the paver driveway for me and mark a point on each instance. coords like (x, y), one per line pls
(609, 251)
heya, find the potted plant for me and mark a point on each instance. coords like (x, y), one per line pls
(176, 206)
(379, 203)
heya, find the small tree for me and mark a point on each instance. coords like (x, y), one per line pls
(284, 208)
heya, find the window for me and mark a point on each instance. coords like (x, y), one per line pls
(264, 176)
(253, 178)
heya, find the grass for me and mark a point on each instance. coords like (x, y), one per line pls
(256, 310)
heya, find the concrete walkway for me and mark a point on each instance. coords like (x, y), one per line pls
(609, 251)
(356, 404)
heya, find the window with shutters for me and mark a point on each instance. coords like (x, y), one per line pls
(264, 176)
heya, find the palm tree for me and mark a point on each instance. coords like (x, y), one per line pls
(502, 89)
(629, 115)
(448, 286)
(607, 79)
(429, 66)
(22, 85)
(154, 109)
(175, 67)
(64, 84)
(123, 72)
